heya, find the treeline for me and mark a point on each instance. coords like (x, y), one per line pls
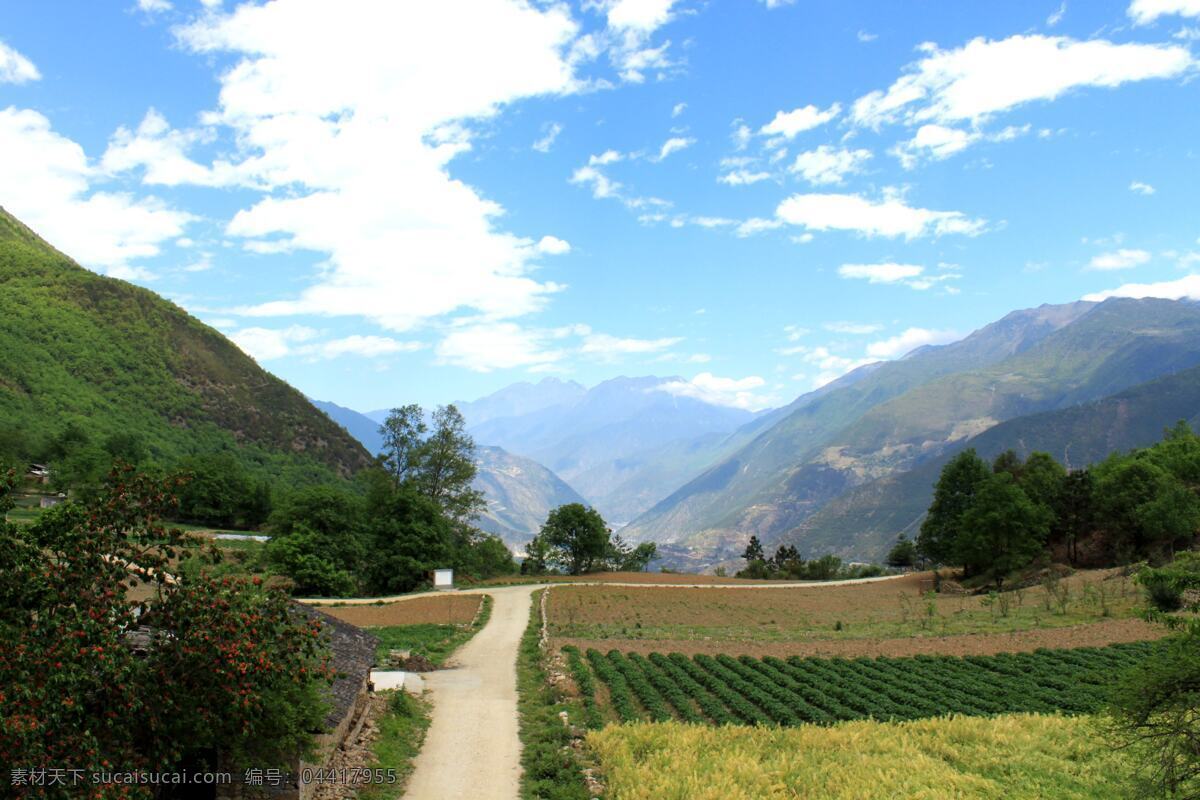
(575, 540)
(409, 514)
(787, 564)
(998, 518)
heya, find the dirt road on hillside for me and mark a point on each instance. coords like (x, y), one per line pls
(473, 749)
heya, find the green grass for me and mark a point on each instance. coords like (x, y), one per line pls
(550, 770)
(401, 732)
(435, 642)
(983, 758)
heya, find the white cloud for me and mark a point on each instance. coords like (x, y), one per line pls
(789, 123)
(162, 153)
(544, 144)
(908, 341)
(770, 4)
(644, 16)
(933, 141)
(1125, 258)
(265, 344)
(731, 392)
(830, 365)
(1141, 188)
(985, 77)
(866, 36)
(1057, 16)
(612, 348)
(890, 217)
(1146, 11)
(353, 140)
(16, 68)
(756, 225)
(356, 345)
(880, 273)
(678, 109)
(1187, 287)
(607, 157)
(712, 222)
(854, 328)
(154, 6)
(553, 246)
(741, 136)
(497, 345)
(674, 145)
(829, 164)
(104, 231)
(742, 177)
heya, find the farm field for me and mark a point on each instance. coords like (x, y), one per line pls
(900, 608)
(1021, 755)
(686, 579)
(443, 609)
(771, 691)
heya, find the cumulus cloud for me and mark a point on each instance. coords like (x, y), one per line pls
(1141, 188)
(756, 225)
(1144, 12)
(830, 366)
(731, 392)
(553, 246)
(361, 131)
(104, 231)
(678, 109)
(889, 217)
(1187, 287)
(16, 68)
(612, 348)
(904, 343)
(162, 153)
(267, 344)
(789, 123)
(154, 6)
(880, 273)
(829, 164)
(1125, 258)
(985, 77)
(742, 177)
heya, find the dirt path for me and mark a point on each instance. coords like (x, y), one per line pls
(473, 749)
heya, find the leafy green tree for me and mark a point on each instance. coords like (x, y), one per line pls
(447, 466)
(403, 435)
(624, 558)
(485, 556)
(410, 537)
(305, 556)
(956, 487)
(221, 493)
(1144, 507)
(1009, 462)
(1002, 529)
(903, 553)
(577, 538)
(754, 550)
(1042, 480)
(537, 557)
(1075, 513)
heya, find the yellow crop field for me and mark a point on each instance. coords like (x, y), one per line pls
(1004, 757)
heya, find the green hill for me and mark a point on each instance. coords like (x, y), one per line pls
(76, 347)
(866, 520)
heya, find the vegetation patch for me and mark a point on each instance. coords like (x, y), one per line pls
(550, 767)
(401, 733)
(1023, 755)
(796, 691)
(433, 641)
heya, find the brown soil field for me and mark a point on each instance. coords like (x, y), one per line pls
(1094, 635)
(442, 609)
(897, 608)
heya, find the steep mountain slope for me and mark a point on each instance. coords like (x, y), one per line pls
(75, 346)
(707, 510)
(519, 491)
(620, 443)
(520, 494)
(865, 521)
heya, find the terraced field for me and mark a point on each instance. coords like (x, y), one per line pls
(772, 691)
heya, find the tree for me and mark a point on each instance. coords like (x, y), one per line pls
(1002, 529)
(577, 538)
(410, 537)
(1042, 478)
(221, 493)
(222, 665)
(754, 550)
(1075, 514)
(1009, 462)
(623, 558)
(403, 434)
(903, 553)
(447, 466)
(1144, 507)
(960, 479)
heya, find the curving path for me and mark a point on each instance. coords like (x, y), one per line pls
(473, 747)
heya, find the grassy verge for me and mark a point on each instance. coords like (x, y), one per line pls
(1021, 755)
(435, 642)
(550, 769)
(401, 732)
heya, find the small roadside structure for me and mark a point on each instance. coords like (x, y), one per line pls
(443, 580)
(51, 500)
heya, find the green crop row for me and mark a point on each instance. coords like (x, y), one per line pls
(768, 691)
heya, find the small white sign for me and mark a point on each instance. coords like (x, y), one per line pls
(443, 578)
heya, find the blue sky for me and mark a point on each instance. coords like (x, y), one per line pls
(395, 202)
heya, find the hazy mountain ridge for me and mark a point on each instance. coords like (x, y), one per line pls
(1030, 361)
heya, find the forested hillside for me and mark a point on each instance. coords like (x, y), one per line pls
(110, 359)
